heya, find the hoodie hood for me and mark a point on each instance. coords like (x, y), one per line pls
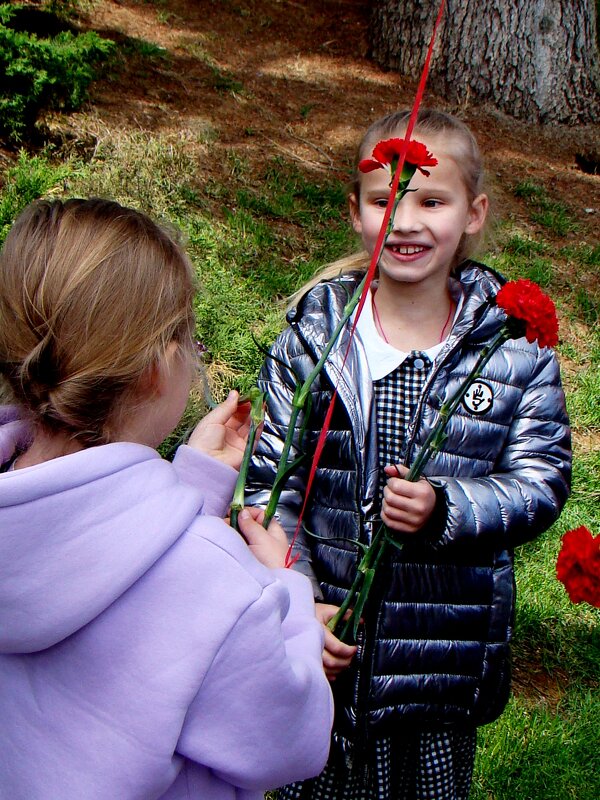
(15, 433)
(77, 531)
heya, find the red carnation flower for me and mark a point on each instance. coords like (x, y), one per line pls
(385, 152)
(524, 300)
(578, 566)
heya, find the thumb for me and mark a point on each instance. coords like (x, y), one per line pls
(252, 531)
(224, 410)
(396, 471)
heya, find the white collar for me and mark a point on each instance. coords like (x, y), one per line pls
(383, 358)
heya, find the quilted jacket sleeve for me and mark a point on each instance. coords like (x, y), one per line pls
(530, 484)
(278, 380)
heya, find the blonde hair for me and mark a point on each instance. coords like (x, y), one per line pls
(91, 295)
(459, 144)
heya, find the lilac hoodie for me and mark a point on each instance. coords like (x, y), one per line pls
(144, 652)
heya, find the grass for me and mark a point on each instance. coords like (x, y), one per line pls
(144, 49)
(240, 236)
(548, 212)
(31, 177)
(254, 239)
(537, 752)
(220, 79)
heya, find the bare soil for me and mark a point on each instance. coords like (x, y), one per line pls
(292, 78)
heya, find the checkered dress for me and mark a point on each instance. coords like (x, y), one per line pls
(434, 765)
(396, 396)
(427, 765)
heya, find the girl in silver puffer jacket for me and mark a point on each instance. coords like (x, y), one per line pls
(432, 659)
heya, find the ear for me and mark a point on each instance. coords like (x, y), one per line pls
(165, 366)
(477, 214)
(150, 382)
(355, 213)
(155, 379)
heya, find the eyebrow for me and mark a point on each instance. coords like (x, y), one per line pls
(429, 190)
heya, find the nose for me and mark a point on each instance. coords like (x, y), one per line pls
(406, 217)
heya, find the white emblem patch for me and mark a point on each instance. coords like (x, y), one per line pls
(479, 398)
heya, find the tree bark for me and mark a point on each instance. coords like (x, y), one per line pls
(534, 59)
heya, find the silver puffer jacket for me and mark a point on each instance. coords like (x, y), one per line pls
(434, 647)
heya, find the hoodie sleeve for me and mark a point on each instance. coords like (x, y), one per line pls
(263, 715)
(213, 477)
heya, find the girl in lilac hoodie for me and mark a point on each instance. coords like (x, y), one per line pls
(145, 652)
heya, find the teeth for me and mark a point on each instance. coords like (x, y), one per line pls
(407, 250)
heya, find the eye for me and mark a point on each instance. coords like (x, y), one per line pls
(380, 202)
(432, 202)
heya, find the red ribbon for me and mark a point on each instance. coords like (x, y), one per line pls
(290, 560)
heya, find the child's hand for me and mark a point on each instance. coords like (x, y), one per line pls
(223, 432)
(269, 546)
(336, 654)
(406, 505)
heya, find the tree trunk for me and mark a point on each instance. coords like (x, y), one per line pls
(534, 59)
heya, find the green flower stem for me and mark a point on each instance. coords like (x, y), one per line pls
(365, 574)
(348, 309)
(359, 591)
(436, 437)
(257, 415)
(369, 572)
(282, 467)
(302, 393)
(369, 561)
(408, 170)
(299, 402)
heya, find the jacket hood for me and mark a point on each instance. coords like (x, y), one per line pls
(319, 310)
(77, 531)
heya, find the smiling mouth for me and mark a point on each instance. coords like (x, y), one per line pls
(407, 249)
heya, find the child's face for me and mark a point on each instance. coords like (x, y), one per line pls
(429, 223)
(177, 390)
(164, 399)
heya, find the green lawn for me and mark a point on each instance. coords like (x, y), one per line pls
(253, 242)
